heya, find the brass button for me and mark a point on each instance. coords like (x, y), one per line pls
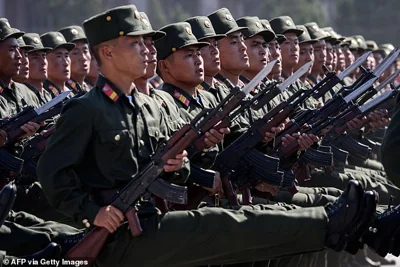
(173, 49)
(117, 137)
(141, 142)
(108, 18)
(121, 33)
(86, 223)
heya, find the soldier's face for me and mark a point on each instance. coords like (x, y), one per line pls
(348, 56)
(233, 53)
(186, 67)
(80, 59)
(59, 65)
(275, 53)
(306, 55)
(37, 66)
(94, 68)
(257, 50)
(329, 55)
(319, 55)
(341, 64)
(152, 61)
(129, 56)
(23, 73)
(371, 61)
(210, 55)
(10, 58)
(290, 51)
(378, 57)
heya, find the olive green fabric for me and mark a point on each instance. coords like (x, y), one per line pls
(113, 23)
(179, 35)
(255, 27)
(305, 36)
(43, 96)
(7, 32)
(17, 97)
(146, 25)
(55, 40)
(315, 32)
(334, 37)
(362, 45)
(284, 24)
(22, 44)
(202, 28)
(34, 40)
(73, 33)
(223, 22)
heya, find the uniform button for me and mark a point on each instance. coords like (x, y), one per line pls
(86, 223)
(157, 133)
(141, 142)
(117, 137)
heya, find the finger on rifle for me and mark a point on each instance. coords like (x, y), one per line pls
(314, 138)
(109, 227)
(183, 155)
(216, 134)
(174, 162)
(269, 134)
(212, 139)
(225, 130)
(172, 168)
(296, 135)
(118, 213)
(34, 125)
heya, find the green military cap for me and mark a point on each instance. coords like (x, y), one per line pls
(284, 24)
(334, 37)
(361, 42)
(146, 25)
(179, 35)
(305, 36)
(372, 45)
(6, 31)
(255, 27)
(21, 42)
(387, 46)
(315, 32)
(345, 42)
(55, 40)
(113, 23)
(202, 28)
(73, 33)
(280, 38)
(223, 22)
(353, 43)
(33, 39)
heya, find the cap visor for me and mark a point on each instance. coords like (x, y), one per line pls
(78, 39)
(198, 44)
(139, 33)
(44, 49)
(312, 41)
(157, 35)
(27, 47)
(295, 31)
(236, 29)
(68, 46)
(280, 38)
(215, 36)
(15, 35)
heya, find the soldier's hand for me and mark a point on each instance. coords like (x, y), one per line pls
(356, 123)
(268, 136)
(176, 163)
(306, 141)
(3, 138)
(109, 217)
(287, 139)
(217, 185)
(30, 129)
(214, 137)
(378, 119)
(267, 188)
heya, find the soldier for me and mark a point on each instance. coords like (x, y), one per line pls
(91, 77)
(37, 67)
(100, 117)
(23, 73)
(59, 62)
(80, 59)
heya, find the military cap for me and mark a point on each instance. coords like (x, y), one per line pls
(284, 24)
(113, 23)
(315, 32)
(305, 36)
(387, 46)
(6, 31)
(202, 28)
(280, 38)
(33, 39)
(334, 37)
(353, 44)
(73, 33)
(255, 27)
(55, 40)
(21, 42)
(223, 22)
(361, 42)
(372, 45)
(179, 35)
(146, 25)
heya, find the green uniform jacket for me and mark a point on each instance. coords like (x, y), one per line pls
(17, 97)
(43, 97)
(102, 140)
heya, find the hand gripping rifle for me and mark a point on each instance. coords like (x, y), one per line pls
(148, 178)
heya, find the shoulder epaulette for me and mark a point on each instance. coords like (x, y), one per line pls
(181, 98)
(53, 89)
(199, 87)
(72, 84)
(109, 92)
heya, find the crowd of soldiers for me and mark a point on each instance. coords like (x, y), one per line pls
(130, 90)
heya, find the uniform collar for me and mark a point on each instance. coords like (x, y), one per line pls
(51, 87)
(182, 96)
(108, 88)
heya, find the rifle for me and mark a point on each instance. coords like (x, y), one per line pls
(12, 125)
(148, 178)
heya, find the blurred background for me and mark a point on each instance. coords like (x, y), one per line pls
(374, 19)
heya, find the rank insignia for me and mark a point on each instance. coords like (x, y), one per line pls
(108, 91)
(181, 98)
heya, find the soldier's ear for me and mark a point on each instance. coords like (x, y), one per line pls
(164, 66)
(106, 52)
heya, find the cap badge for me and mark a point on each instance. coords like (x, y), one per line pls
(258, 24)
(314, 28)
(228, 17)
(288, 23)
(59, 38)
(145, 22)
(36, 40)
(188, 30)
(137, 14)
(74, 31)
(207, 24)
